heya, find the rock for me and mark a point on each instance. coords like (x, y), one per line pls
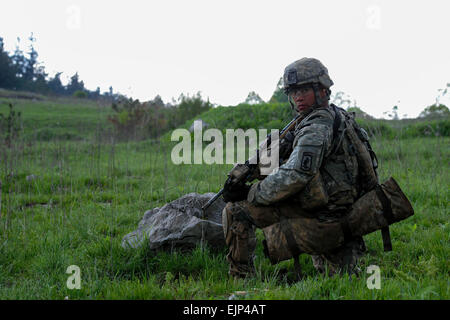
(178, 225)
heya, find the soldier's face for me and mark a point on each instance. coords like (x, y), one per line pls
(303, 98)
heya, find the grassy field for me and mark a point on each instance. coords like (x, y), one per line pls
(69, 200)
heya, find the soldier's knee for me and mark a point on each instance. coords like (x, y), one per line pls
(226, 221)
(236, 221)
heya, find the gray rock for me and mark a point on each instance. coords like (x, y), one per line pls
(178, 225)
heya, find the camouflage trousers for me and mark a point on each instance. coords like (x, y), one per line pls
(342, 259)
(239, 222)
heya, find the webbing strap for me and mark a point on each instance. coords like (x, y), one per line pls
(337, 121)
(336, 125)
(387, 209)
(298, 269)
(346, 229)
(292, 245)
(387, 212)
(386, 236)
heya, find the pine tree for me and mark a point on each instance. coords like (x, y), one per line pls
(7, 74)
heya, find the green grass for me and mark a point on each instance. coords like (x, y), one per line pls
(60, 118)
(88, 194)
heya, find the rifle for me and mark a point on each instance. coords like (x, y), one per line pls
(246, 172)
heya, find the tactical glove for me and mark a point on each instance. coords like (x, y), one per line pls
(235, 192)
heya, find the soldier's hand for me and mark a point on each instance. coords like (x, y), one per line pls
(233, 192)
(249, 172)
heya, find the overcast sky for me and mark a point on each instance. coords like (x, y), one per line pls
(381, 53)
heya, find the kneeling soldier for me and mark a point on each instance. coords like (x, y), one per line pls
(304, 205)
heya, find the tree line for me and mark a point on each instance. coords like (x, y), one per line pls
(134, 119)
(21, 71)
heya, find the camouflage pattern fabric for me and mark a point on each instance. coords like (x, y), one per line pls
(342, 260)
(240, 238)
(305, 71)
(313, 139)
(315, 151)
(240, 220)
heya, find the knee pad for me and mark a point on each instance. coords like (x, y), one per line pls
(226, 221)
(232, 221)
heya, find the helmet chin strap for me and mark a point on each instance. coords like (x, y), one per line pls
(320, 102)
(291, 103)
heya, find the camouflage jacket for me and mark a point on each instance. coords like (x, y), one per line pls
(315, 151)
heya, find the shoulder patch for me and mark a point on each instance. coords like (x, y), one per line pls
(307, 160)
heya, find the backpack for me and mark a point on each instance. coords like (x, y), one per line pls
(367, 163)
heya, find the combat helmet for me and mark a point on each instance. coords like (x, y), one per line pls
(307, 71)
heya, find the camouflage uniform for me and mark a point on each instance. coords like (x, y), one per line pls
(315, 150)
